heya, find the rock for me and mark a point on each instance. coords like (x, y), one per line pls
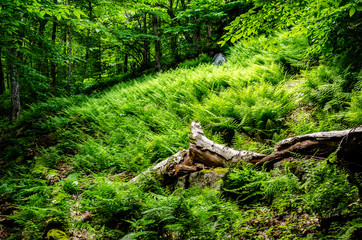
(211, 178)
(218, 59)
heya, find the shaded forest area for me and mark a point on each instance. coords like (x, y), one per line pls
(59, 48)
(95, 92)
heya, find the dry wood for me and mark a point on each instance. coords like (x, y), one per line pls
(204, 153)
(315, 145)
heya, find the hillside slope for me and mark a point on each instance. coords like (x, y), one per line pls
(66, 161)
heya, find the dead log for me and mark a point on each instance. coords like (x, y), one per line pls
(316, 146)
(204, 153)
(162, 168)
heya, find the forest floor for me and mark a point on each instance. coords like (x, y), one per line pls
(67, 162)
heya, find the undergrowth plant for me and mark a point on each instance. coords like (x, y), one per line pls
(68, 160)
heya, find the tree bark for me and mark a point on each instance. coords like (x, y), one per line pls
(204, 153)
(53, 73)
(70, 54)
(14, 79)
(41, 64)
(87, 43)
(125, 64)
(157, 43)
(146, 44)
(315, 145)
(2, 77)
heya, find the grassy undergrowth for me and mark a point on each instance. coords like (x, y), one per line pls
(66, 161)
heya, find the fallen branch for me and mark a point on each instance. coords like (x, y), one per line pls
(315, 145)
(204, 153)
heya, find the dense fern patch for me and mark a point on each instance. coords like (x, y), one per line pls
(68, 160)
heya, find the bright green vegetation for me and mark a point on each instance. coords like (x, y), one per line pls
(63, 158)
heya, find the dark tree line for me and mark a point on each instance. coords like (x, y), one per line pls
(57, 47)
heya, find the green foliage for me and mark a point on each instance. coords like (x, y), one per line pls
(195, 62)
(189, 214)
(67, 159)
(327, 190)
(329, 25)
(245, 184)
(355, 113)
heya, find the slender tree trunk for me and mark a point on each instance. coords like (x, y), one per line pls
(99, 57)
(157, 43)
(8, 78)
(53, 73)
(125, 69)
(70, 54)
(209, 31)
(86, 57)
(174, 50)
(183, 4)
(146, 44)
(41, 64)
(173, 38)
(14, 78)
(2, 77)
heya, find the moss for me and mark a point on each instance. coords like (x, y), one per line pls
(57, 235)
(218, 170)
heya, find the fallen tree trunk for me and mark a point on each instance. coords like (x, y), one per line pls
(204, 153)
(315, 145)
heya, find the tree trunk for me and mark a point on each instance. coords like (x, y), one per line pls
(125, 64)
(70, 55)
(41, 64)
(315, 145)
(204, 153)
(146, 44)
(53, 73)
(14, 79)
(87, 44)
(2, 77)
(99, 57)
(157, 43)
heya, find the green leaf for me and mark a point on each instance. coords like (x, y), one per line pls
(8, 31)
(42, 13)
(76, 13)
(352, 11)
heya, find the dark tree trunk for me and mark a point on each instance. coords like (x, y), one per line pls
(183, 4)
(146, 44)
(87, 45)
(69, 54)
(2, 77)
(155, 23)
(53, 73)
(41, 64)
(99, 56)
(14, 78)
(125, 64)
(174, 50)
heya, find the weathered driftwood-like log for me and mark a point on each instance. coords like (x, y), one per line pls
(203, 150)
(315, 145)
(162, 168)
(204, 153)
